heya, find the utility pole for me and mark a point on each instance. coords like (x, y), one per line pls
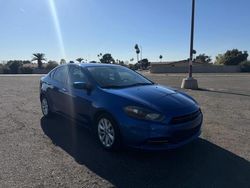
(190, 82)
(192, 41)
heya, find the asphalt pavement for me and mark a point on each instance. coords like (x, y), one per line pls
(58, 152)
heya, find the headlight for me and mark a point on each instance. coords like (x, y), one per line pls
(141, 113)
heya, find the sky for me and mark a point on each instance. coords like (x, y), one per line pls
(84, 28)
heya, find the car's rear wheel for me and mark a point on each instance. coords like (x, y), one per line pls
(45, 107)
(107, 132)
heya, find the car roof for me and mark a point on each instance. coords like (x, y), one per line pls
(84, 65)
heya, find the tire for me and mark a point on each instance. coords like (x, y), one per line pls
(107, 132)
(45, 107)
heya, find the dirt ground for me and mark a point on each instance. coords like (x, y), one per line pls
(38, 152)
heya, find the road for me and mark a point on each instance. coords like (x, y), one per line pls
(38, 152)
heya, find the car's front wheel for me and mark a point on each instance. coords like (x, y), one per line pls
(108, 132)
(45, 107)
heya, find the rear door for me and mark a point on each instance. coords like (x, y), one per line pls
(59, 91)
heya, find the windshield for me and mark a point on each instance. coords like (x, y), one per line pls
(116, 77)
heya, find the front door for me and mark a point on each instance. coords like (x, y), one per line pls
(79, 100)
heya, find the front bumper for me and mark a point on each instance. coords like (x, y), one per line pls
(154, 136)
(165, 144)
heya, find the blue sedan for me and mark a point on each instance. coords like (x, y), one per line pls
(122, 107)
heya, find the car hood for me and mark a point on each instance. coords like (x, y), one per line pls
(155, 96)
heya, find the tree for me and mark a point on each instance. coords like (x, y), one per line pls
(79, 59)
(203, 58)
(26, 70)
(63, 61)
(6, 69)
(14, 66)
(1, 68)
(160, 57)
(120, 62)
(232, 57)
(26, 62)
(137, 50)
(107, 58)
(144, 63)
(51, 65)
(39, 57)
(131, 66)
(137, 66)
(219, 59)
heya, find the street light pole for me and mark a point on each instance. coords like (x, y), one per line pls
(190, 82)
(191, 41)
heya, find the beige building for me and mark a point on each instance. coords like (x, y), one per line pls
(181, 63)
(198, 67)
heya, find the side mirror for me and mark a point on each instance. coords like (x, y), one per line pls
(82, 85)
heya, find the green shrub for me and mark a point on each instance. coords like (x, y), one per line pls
(6, 69)
(1, 69)
(26, 70)
(245, 66)
(14, 66)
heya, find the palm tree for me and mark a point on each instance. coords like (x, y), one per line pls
(79, 59)
(160, 57)
(39, 57)
(137, 50)
(99, 56)
(63, 61)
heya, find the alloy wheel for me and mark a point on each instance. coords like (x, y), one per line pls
(45, 107)
(106, 132)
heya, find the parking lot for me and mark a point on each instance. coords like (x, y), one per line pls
(38, 152)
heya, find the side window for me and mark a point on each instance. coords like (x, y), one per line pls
(76, 74)
(60, 74)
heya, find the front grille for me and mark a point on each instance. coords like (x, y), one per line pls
(182, 135)
(157, 141)
(185, 118)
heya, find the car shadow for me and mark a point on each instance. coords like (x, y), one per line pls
(199, 164)
(223, 92)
